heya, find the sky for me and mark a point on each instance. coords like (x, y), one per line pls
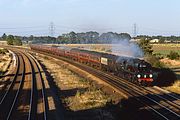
(33, 17)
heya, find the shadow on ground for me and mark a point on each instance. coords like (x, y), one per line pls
(166, 77)
(125, 109)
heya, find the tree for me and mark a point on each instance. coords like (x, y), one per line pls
(125, 36)
(31, 37)
(10, 39)
(81, 38)
(17, 41)
(91, 37)
(145, 46)
(161, 40)
(73, 37)
(114, 38)
(4, 36)
(109, 37)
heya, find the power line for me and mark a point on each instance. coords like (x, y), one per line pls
(57, 29)
(134, 30)
(26, 27)
(52, 29)
(157, 30)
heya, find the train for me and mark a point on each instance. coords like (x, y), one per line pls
(132, 69)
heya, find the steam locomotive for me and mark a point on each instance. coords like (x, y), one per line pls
(132, 69)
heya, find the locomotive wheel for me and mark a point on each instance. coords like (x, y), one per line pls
(124, 76)
(149, 84)
(128, 77)
(133, 78)
(144, 83)
(137, 82)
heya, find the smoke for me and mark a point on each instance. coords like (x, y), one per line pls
(124, 47)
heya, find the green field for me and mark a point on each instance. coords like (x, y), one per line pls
(165, 49)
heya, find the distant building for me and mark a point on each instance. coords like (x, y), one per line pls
(154, 41)
(167, 41)
(135, 40)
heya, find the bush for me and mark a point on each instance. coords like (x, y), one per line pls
(173, 55)
(17, 42)
(154, 61)
(159, 55)
(3, 51)
(146, 46)
(11, 40)
(78, 94)
(108, 50)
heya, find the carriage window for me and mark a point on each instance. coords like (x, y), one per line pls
(94, 58)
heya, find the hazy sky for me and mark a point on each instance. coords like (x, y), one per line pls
(153, 17)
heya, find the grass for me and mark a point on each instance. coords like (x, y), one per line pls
(165, 49)
(4, 60)
(3, 51)
(165, 52)
(77, 93)
(175, 87)
(87, 100)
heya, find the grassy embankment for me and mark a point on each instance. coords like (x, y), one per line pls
(77, 93)
(174, 65)
(4, 60)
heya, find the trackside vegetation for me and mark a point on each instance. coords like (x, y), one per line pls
(11, 40)
(173, 55)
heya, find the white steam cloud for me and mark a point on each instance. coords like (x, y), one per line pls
(126, 48)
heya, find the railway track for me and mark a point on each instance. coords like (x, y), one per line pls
(10, 97)
(165, 106)
(24, 96)
(10, 76)
(38, 89)
(165, 109)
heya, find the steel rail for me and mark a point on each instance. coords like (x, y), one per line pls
(172, 95)
(14, 79)
(32, 110)
(18, 91)
(42, 91)
(7, 94)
